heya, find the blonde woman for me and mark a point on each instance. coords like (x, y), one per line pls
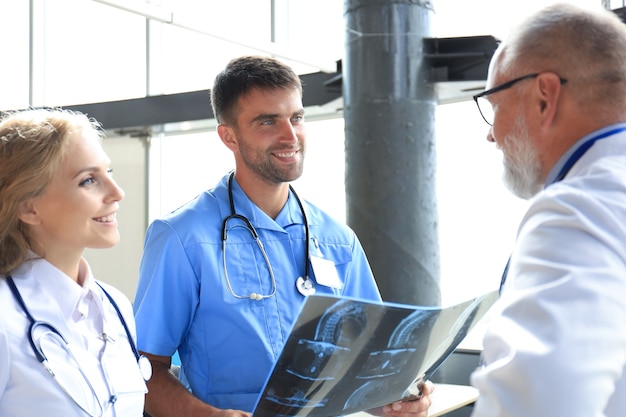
(66, 340)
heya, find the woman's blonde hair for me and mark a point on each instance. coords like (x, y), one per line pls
(32, 144)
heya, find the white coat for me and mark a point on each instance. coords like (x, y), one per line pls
(556, 343)
(82, 315)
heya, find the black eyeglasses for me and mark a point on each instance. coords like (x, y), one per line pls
(485, 108)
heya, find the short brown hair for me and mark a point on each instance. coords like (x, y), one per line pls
(243, 74)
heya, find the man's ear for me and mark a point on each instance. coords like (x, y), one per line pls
(228, 136)
(27, 212)
(549, 96)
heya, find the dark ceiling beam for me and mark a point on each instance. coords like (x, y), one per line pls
(451, 59)
(149, 111)
(189, 106)
(459, 59)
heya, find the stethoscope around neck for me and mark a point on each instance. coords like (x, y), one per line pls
(142, 361)
(304, 284)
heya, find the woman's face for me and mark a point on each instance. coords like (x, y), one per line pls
(78, 209)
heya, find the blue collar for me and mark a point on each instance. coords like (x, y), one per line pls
(574, 153)
(567, 161)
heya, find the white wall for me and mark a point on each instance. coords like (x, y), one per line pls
(119, 266)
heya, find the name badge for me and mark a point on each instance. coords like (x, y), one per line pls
(325, 272)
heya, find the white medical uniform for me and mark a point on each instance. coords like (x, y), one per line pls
(82, 315)
(556, 342)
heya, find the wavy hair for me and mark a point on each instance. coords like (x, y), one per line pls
(33, 143)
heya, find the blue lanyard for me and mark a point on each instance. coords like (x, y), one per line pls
(574, 157)
(584, 147)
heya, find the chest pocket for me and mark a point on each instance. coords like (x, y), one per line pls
(340, 255)
(246, 266)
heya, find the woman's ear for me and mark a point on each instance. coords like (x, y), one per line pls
(27, 212)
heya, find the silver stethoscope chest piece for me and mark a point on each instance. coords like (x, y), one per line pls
(145, 367)
(305, 286)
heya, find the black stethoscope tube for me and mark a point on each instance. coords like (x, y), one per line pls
(142, 361)
(41, 357)
(305, 282)
(33, 323)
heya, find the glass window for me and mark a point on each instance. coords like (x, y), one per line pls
(188, 61)
(192, 163)
(245, 20)
(188, 164)
(14, 29)
(204, 37)
(478, 216)
(313, 32)
(88, 52)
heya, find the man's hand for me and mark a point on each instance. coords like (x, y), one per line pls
(167, 397)
(416, 408)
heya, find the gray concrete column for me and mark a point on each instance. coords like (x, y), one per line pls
(389, 111)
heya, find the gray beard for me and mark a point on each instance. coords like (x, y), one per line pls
(521, 163)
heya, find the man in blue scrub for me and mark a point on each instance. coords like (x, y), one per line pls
(223, 299)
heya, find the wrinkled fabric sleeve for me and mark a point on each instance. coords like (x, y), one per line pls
(556, 344)
(162, 319)
(4, 360)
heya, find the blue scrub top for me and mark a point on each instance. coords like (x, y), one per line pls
(228, 346)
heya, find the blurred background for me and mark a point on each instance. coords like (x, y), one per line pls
(75, 52)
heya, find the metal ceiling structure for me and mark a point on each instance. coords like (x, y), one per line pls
(458, 67)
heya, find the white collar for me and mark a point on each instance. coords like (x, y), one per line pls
(70, 297)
